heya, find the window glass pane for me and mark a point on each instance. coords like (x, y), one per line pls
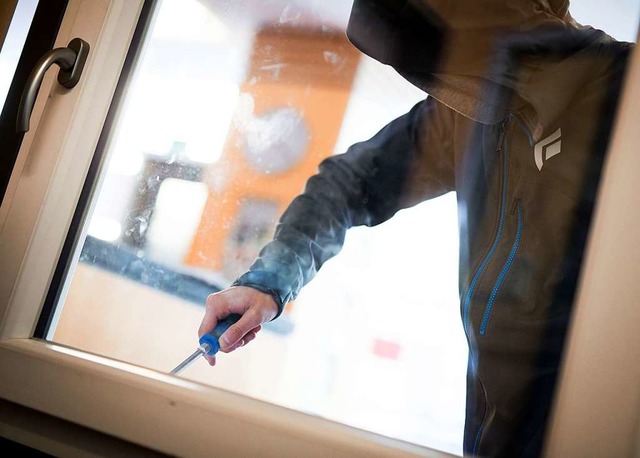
(479, 200)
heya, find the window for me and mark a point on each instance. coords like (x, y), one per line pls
(191, 187)
(230, 111)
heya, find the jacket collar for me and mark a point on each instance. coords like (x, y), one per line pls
(546, 70)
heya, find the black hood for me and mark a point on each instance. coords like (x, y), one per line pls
(480, 57)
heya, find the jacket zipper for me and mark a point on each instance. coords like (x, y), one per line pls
(504, 271)
(476, 276)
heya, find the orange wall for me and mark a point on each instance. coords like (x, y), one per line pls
(313, 73)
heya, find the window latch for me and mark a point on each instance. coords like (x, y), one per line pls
(71, 61)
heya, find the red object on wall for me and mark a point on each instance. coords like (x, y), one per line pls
(386, 349)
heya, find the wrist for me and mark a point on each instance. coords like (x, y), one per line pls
(279, 299)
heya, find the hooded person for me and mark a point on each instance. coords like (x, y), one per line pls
(521, 103)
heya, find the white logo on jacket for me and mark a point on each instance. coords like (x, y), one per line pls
(547, 148)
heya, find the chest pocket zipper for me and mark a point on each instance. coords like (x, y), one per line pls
(504, 271)
(503, 203)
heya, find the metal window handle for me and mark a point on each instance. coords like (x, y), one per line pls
(71, 61)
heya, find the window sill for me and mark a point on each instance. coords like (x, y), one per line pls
(170, 414)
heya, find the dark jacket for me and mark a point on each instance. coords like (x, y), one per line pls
(519, 130)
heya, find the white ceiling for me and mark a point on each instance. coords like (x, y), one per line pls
(328, 14)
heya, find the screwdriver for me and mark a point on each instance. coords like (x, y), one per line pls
(209, 344)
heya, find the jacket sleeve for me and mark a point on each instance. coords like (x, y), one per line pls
(408, 161)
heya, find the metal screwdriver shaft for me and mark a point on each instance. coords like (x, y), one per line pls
(209, 344)
(202, 350)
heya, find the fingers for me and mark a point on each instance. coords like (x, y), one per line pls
(248, 337)
(244, 341)
(233, 337)
(255, 307)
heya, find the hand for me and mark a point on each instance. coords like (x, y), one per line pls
(255, 307)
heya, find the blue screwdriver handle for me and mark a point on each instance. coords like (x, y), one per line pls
(211, 338)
